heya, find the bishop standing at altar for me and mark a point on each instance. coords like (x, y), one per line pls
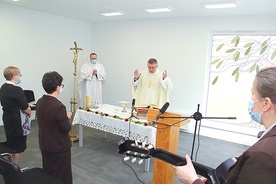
(151, 86)
(92, 77)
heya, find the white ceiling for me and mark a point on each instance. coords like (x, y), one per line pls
(89, 10)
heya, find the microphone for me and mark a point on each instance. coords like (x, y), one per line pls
(162, 110)
(133, 103)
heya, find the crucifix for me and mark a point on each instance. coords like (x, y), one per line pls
(74, 102)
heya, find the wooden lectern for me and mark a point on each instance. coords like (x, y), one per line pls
(166, 138)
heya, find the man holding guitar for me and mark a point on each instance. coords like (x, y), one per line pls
(257, 165)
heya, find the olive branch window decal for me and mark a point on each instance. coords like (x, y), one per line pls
(241, 53)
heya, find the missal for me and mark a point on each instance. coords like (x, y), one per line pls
(142, 110)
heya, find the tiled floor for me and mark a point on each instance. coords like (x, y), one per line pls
(98, 161)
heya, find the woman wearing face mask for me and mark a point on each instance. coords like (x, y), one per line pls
(54, 126)
(257, 164)
(13, 100)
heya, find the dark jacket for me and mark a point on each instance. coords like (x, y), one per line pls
(54, 125)
(256, 165)
(12, 99)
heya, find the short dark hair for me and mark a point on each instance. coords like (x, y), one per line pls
(93, 54)
(50, 81)
(152, 61)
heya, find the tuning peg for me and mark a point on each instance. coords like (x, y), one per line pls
(143, 144)
(133, 159)
(126, 158)
(140, 161)
(150, 146)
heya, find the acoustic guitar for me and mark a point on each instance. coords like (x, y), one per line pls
(144, 151)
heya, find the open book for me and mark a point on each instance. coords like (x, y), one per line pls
(142, 110)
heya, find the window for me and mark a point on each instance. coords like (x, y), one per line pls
(235, 60)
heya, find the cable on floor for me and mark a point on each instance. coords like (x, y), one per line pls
(133, 171)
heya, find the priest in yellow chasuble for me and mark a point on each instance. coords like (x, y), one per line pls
(151, 87)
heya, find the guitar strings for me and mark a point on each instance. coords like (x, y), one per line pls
(133, 171)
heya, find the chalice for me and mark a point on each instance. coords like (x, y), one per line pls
(124, 104)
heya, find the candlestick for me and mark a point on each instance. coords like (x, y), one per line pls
(87, 100)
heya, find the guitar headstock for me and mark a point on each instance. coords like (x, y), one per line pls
(136, 149)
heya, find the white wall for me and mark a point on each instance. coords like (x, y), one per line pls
(182, 47)
(38, 42)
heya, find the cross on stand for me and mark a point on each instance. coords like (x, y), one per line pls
(74, 137)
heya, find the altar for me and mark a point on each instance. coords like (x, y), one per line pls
(111, 119)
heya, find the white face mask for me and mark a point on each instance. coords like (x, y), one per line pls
(60, 90)
(93, 61)
(255, 116)
(18, 81)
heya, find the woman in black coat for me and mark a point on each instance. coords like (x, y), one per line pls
(13, 100)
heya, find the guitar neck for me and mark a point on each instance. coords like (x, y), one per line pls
(214, 176)
(177, 160)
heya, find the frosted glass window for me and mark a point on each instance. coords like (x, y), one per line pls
(235, 60)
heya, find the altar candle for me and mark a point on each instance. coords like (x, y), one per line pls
(87, 100)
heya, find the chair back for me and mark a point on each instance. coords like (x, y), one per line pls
(10, 172)
(29, 94)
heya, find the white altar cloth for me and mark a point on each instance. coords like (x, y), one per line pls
(109, 118)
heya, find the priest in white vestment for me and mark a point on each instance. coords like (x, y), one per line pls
(151, 87)
(92, 77)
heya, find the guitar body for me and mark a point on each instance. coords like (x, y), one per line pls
(214, 176)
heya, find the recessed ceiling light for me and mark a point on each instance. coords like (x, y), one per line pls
(112, 14)
(222, 4)
(156, 10)
(15, 0)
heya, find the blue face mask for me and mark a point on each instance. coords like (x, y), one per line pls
(18, 81)
(93, 61)
(255, 116)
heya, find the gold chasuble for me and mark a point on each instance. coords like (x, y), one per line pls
(151, 89)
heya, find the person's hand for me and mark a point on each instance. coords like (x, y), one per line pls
(136, 74)
(95, 72)
(165, 74)
(69, 114)
(186, 173)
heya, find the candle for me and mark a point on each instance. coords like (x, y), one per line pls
(87, 100)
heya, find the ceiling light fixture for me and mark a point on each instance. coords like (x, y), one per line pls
(222, 4)
(112, 14)
(157, 10)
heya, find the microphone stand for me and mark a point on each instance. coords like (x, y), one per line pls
(198, 116)
(129, 119)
